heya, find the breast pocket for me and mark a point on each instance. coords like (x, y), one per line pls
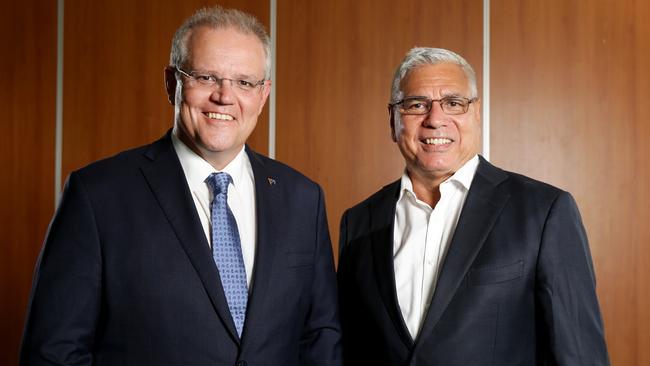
(495, 274)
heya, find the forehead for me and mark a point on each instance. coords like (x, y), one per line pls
(436, 80)
(225, 50)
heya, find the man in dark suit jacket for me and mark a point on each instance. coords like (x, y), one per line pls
(127, 275)
(460, 263)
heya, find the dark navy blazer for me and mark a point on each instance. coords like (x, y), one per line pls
(126, 276)
(517, 286)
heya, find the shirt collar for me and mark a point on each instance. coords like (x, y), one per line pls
(464, 176)
(198, 169)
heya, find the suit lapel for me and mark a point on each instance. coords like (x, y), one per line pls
(268, 202)
(167, 181)
(382, 214)
(482, 207)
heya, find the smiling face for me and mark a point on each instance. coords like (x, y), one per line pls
(436, 145)
(215, 121)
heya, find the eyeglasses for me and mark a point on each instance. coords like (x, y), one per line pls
(209, 80)
(423, 105)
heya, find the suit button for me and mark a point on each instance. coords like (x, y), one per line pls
(242, 363)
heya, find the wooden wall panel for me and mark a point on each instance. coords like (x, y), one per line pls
(115, 54)
(570, 86)
(640, 217)
(570, 90)
(335, 64)
(27, 100)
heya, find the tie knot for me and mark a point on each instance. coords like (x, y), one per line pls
(218, 182)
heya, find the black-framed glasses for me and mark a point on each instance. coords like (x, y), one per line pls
(209, 80)
(422, 105)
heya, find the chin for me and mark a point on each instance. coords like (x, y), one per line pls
(435, 165)
(218, 149)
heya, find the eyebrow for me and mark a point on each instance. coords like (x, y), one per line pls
(415, 97)
(234, 77)
(444, 96)
(452, 95)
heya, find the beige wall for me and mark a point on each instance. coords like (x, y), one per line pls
(569, 92)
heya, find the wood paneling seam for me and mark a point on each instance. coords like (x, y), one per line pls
(58, 143)
(486, 79)
(272, 98)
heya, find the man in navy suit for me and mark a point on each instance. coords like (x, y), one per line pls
(132, 273)
(460, 263)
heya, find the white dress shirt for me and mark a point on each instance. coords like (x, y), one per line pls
(241, 196)
(421, 239)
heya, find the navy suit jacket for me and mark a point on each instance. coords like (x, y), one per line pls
(517, 285)
(126, 275)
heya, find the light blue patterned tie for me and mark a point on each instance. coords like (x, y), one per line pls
(226, 249)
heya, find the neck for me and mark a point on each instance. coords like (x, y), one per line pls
(218, 159)
(427, 189)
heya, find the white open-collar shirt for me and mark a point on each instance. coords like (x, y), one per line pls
(420, 241)
(241, 196)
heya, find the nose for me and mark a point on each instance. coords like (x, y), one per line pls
(436, 118)
(223, 92)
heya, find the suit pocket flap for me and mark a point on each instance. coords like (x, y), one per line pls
(299, 259)
(495, 274)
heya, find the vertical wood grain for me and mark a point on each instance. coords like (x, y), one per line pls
(640, 217)
(335, 64)
(27, 100)
(570, 91)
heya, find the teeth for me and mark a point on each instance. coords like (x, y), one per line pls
(223, 117)
(437, 141)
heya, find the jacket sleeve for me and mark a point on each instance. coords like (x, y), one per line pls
(320, 343)
(351, 323)
(66, 292)
(566, 290)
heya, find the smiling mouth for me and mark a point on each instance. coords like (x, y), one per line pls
(437, 141)
(219, 116)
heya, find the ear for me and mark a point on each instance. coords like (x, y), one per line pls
(266, 90)
(393, 133)
(477, 113)
(170, 84)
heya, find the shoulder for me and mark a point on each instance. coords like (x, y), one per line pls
(120, 161)
(524, 193)
(388, 194)
(374, 212)
(271, 172)
(126, 166)
(515, 184)
(518, 182)
(116, 165)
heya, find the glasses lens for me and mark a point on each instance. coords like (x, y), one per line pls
(210, 80)
(245, 85)
(204, 79)
(415, 106)
(454, 105)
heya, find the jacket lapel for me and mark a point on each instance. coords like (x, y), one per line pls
(382, 214)
(268, 202)
(165, 176)
(482, 207)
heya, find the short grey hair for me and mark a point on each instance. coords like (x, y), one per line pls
(217, 17)
(419, 56)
